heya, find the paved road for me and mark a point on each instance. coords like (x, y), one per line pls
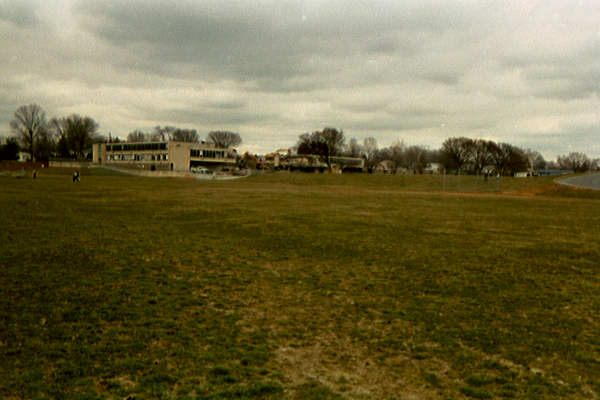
(588, 181)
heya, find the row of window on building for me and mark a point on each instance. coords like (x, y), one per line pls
(207, 153)
(138, 157)
(136, 146)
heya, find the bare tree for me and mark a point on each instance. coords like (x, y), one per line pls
(457, 152)
(334, 140)
(45, 144)
(354, 149)
(535, 159)
(325, 144)
(369, 151)
(56, 126)
(224, 139)
(313, 144)
(81, 132)
(508, 159)
(136, 136)
(500, 156)
(396, 154)
(63, 148)
(480, 154)
(577, 162)
(538, 161)
(185, 135)
(415, 158)
(517, 161)
(28, 124)
(435, 156)
(160, 134)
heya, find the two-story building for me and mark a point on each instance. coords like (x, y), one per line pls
(164, 156)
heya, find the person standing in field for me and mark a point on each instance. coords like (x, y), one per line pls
(76, 176)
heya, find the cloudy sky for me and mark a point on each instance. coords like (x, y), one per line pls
(518, 71)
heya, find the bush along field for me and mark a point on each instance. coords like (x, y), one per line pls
(298, 286)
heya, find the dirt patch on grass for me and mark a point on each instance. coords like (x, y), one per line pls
(125, 382)
(357, 376)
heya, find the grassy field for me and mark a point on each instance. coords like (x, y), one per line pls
(298, 286)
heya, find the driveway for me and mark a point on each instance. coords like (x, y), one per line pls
(588, 181)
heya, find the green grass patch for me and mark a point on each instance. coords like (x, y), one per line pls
(475, 393)
(176, 288)
(315, 391)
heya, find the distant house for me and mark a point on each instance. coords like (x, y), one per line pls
(348, 164)
(23, 157)
(488, 169)
(304, 162)
(283, 159)
(384, 167)
(434, 168)
(276, 159)
(389, 167)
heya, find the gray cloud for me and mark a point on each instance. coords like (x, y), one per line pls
(581, 138)
(273, 40)
(522, 72)
(222, 117)
(20, 13)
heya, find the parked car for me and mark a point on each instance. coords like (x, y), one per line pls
(201, 170)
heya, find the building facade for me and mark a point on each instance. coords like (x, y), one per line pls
(163, 156)
(312, 162)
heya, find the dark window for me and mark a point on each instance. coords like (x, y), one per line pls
(212, 153)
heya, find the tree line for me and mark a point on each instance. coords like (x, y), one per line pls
(72, 136)
(62, 137)
(219, 139)
(456, 155)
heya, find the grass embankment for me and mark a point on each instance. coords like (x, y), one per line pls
(298, 286)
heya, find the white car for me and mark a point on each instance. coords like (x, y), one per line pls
(201, 170)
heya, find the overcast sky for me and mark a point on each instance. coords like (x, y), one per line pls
(523, 72)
